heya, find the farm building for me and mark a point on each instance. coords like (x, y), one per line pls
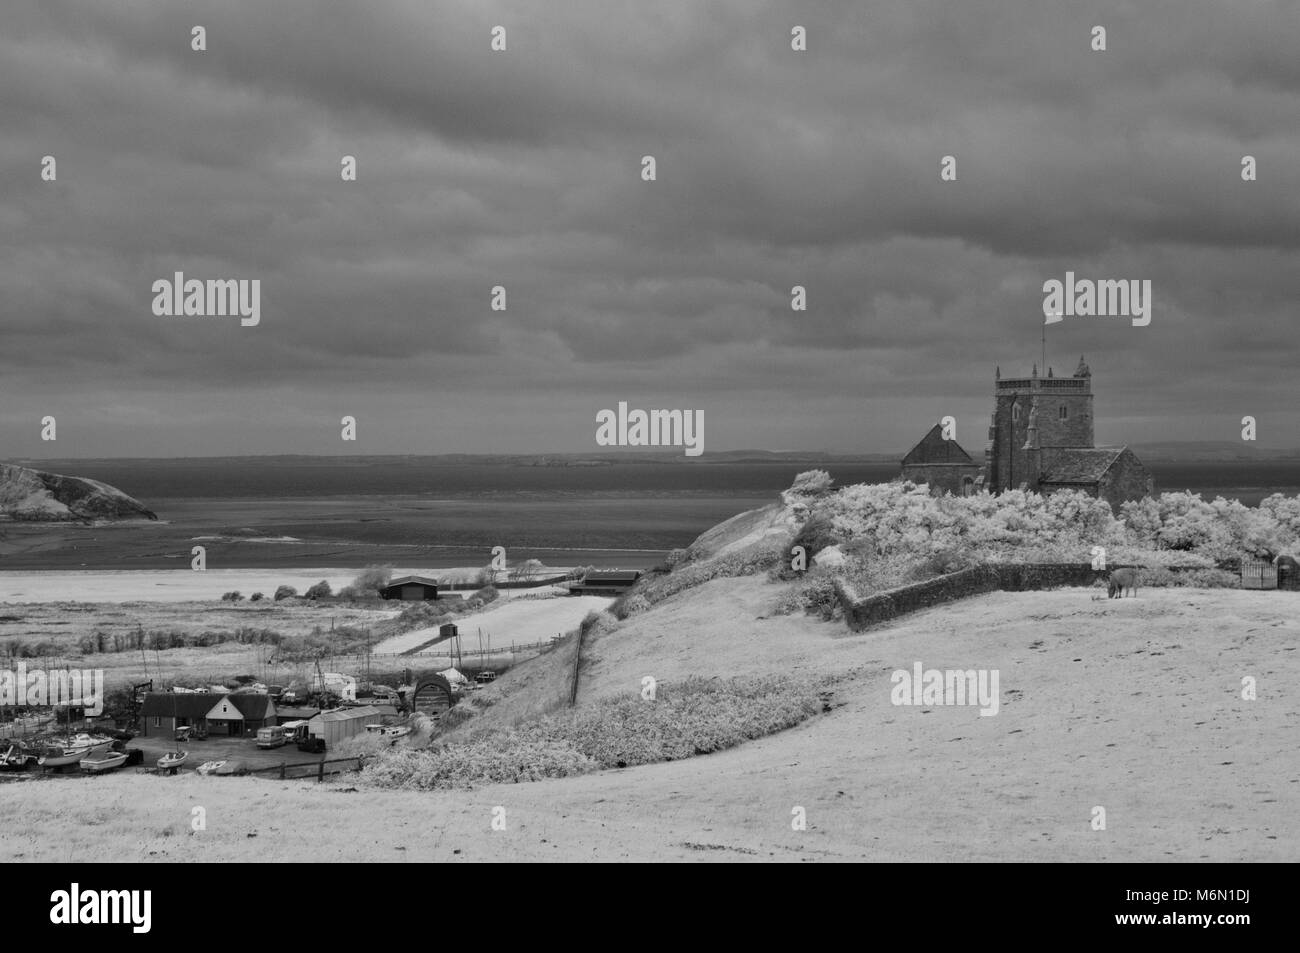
(342, 723)
(411, 589)
(162, 713)
(605, 582)
(242, 714)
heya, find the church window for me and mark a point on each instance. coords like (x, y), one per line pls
(1065, 412)
(1015, 412)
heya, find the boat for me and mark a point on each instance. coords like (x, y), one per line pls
(389, 731)
(172, 760)
(97, 744)
(59, 756)
(210, 767)
(16, 757)
(99, 763)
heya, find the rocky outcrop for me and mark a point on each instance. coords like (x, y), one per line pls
(37, 496)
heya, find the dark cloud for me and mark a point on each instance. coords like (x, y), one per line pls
(522, 169)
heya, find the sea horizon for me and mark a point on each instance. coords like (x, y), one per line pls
(289, 514)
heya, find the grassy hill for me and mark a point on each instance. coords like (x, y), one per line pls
(1132, 705)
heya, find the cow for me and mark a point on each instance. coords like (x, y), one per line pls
(1121, 579)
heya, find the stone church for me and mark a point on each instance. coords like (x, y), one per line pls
(1040, 439)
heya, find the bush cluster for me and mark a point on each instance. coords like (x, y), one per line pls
(698, 716)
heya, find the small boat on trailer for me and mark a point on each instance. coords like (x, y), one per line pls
(103, 762)
(172, 760)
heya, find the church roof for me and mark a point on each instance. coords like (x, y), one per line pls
(1078, 464)
(934, 449)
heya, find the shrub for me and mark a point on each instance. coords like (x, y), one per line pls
(696, 717)
(629, 604)
(370, 581)
(807, 485)
(285, 592)
(231, 597)
(319, 591)
(815, 595)
(1160, 576)
(256, 597)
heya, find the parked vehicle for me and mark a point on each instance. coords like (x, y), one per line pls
(486, 676)
(272, 737)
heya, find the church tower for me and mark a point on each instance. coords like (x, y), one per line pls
(1061, 412)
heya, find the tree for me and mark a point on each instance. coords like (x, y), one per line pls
(321, 590)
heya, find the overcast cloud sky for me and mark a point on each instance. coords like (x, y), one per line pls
(522, 169)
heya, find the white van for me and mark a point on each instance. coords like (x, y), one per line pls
(270, 737)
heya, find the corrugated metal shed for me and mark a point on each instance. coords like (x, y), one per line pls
(342, 723)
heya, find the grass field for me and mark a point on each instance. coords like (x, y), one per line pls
(1132, 705)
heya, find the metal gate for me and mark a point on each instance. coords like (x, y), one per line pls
(1258, 574)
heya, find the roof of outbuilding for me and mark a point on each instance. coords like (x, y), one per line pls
(933, 448)
(612, 575)
(409, 580)
(178, 704)
(348, 714)
(254, 707)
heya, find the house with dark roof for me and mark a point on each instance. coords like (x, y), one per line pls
(161, 713)
(241, 713)
(238, 713)
(1040, 439)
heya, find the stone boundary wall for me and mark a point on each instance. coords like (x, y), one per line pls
(861, 612)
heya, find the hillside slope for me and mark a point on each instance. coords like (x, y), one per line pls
(1134, 706)
(37, 496)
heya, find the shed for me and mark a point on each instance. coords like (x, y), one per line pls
(334, 726)
(411, 588)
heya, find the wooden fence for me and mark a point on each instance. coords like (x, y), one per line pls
(317, 769)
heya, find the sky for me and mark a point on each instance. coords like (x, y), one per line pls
(523, 168)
